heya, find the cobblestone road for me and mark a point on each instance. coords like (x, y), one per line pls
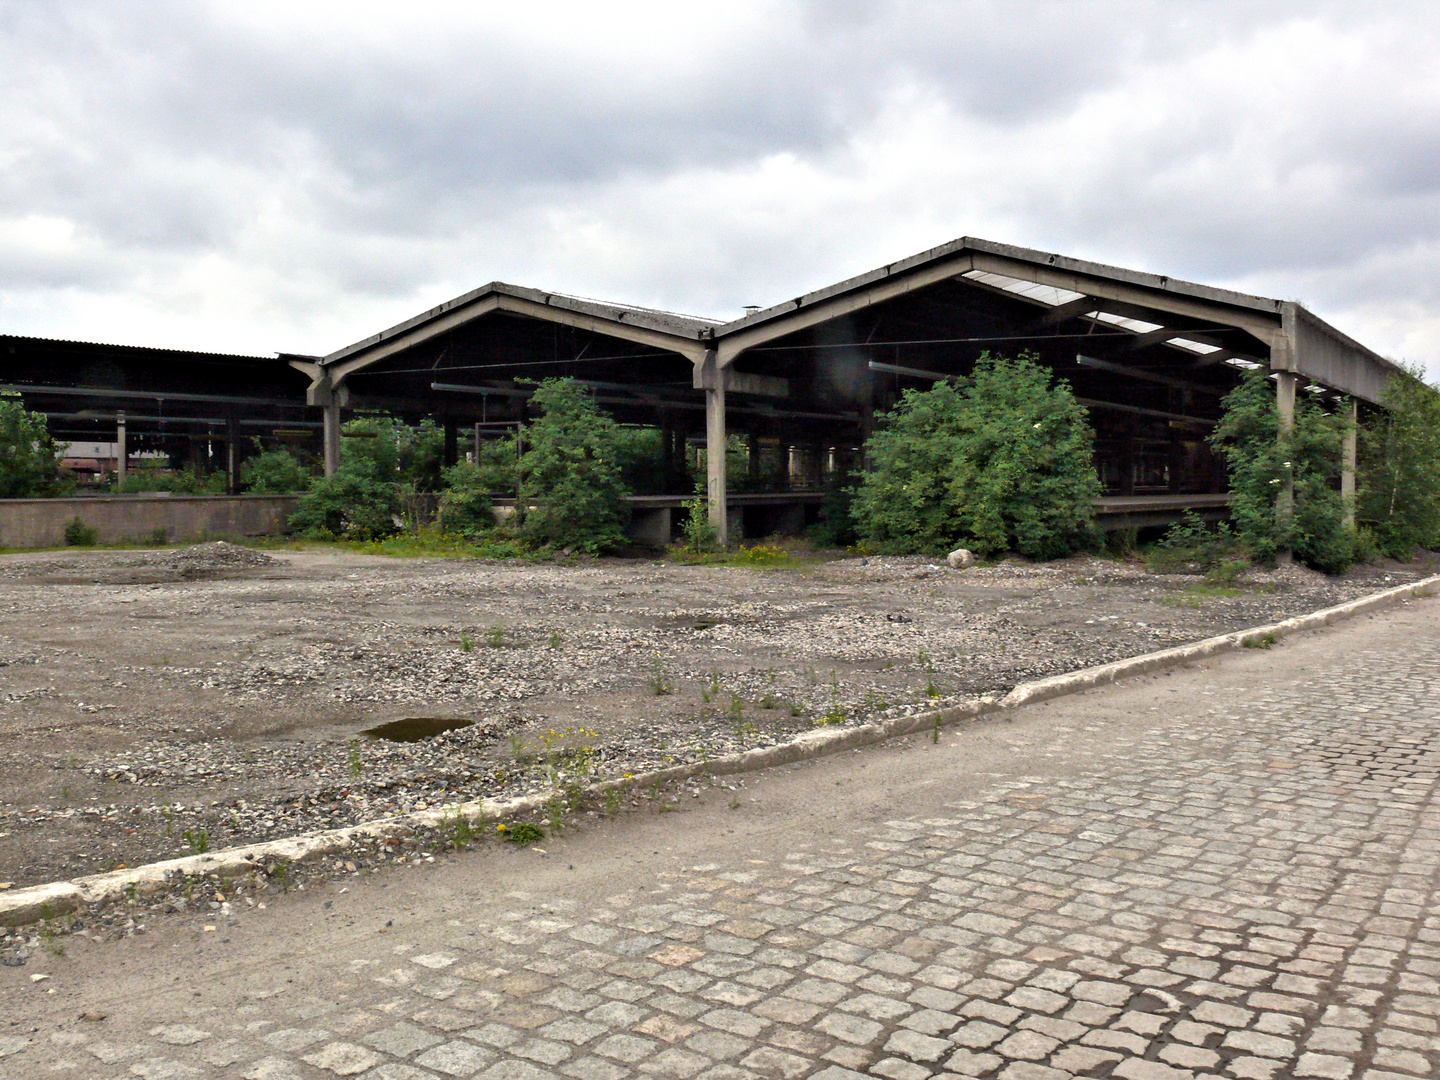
(1225, 872)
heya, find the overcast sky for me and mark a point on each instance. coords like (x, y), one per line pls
(267, 176)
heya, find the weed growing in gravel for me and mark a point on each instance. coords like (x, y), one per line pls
(198, 841)
(875, 703)
(169, 816)
(810, 674)
(517, 746)
(555, 812)
(279, 872)
(612, 801)
(467, 643)
(353, 759)
(735, 802)
(768, 699)
(53, 945)
(457, 831)
(1260, 641)
(495, 637)
(521, 833)
(660, 682)
(736, 711)
(935, 732)
(795, 709)
(832, 716)
(712, 691)
(554, 639)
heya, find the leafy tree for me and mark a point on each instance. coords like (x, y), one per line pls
(274, 472)
(1258, 460)
(1000, 461)
(570, 480)
(387, 449)
(29, 458)
(1399, 489)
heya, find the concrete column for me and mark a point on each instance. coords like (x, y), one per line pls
(715, 479)
(1347, 463)
(1286, 383)
(331, 420)
(232, 456)
(122, 451)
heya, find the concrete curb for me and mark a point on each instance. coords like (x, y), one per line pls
(42, 902)
(1257, 636)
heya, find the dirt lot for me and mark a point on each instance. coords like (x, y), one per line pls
(155, 701)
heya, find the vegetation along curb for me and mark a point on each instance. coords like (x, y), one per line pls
(42, 902)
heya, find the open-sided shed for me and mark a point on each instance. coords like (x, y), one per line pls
(1151, 356)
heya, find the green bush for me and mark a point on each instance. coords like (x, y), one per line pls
(570, 473)
(29, 458)
(274, 472)
(78, 534)
(382, 462)
(1399, 481)
(1189, 542)
(465, 504)
(1001, 461)
(836, 527)
(700, 534)
(1258, 460)
(384, 448)
(640, 452)
(177, 481)
(348, 506)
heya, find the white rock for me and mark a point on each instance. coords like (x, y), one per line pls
(960, 558)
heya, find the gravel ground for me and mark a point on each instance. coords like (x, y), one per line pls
(155, 702)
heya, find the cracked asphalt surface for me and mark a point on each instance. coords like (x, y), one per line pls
(1229, 870)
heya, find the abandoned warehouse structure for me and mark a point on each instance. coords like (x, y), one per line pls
(798, 384)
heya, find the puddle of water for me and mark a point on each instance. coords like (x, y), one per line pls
(416, 728)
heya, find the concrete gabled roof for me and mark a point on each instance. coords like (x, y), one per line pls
(967, 244)
(688, 327)
(1339, 361)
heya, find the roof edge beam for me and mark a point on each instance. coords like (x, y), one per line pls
(515, 305)
(1266, 329)
(802, 318)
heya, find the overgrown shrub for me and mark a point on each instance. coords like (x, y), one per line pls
(1258, 460)
(385, 448)
(697, 528)
(29, 458)
(465, 504)
(836, 527)
(570, 482)
(1000, 461)
(177, 481)
(78, 534)
(1190, 543)
(274, 472)
(640, 452)
(1399, 482)
(383, 463)
(348, 506)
